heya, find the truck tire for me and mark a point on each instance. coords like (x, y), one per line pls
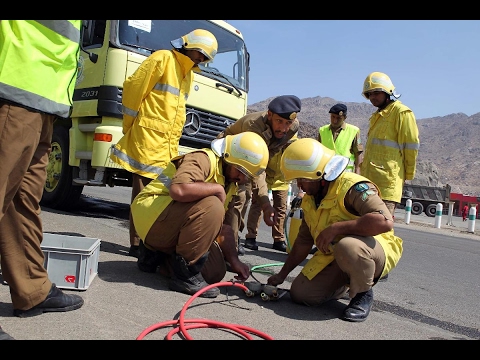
(417, 208)
(59, 192)
(431, 210)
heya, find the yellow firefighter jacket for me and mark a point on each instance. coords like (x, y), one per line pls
(391, 149)
(154, 113)
(154, 198)
(331, 210)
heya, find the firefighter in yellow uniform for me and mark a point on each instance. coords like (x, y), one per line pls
(154, 110)
(392, 144)
(349, 223)
(180, 215)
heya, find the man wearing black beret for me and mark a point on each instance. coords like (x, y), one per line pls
(277, 126)
(343, 138)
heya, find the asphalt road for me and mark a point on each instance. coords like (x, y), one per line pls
(432, 294)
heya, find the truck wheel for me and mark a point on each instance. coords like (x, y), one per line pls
(417, 208)
(431, 210)
(59, 192)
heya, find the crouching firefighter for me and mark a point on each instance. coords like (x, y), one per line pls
(179, 216)
(345, 217)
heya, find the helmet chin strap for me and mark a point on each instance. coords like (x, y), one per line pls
(385, 103)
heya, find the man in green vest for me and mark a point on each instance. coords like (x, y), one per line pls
(38, 71)
(343, 138)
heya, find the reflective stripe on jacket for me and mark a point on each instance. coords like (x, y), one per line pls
(342, 144)
(332, 210)
(154, 105)
(391, 149)
(155, 197)
(47, 83)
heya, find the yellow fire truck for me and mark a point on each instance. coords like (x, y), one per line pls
(111, 50)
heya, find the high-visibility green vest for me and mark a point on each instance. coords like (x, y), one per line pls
(39, 60)
(342, 144)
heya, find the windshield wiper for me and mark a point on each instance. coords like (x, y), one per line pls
(216, 73)
(140, 47)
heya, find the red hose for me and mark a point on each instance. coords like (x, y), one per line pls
(244, 331)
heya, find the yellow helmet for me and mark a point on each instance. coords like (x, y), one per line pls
(247, 151)
(309, 159)
(378, 81)
(201, 40)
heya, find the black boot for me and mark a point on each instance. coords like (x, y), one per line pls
(133, 251)
(188, 279)
(251, 244)
(280, 246)
(148, 260)
(359, 307)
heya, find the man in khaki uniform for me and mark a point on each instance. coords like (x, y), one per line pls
(180, 215)
(277, 126)
(279, 188)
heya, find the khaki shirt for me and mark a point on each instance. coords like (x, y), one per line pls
(257, 123)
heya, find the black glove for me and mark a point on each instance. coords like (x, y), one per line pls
(296, 202)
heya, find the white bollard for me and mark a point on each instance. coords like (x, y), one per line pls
(472, 214)
(408, 211)
(438, 216)
(450, 214)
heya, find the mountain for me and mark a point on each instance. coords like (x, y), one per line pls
(449, 145)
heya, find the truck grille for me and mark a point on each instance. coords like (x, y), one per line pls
(202, 127)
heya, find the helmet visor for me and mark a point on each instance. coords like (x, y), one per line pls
(244, 171)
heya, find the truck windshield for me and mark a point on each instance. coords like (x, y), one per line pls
(230, 65)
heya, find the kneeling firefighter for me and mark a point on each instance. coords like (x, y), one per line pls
(179, 216)
(345, 217)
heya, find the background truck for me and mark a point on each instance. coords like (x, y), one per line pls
(426, 198)
(111, 50)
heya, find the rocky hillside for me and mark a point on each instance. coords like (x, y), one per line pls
(449, 145)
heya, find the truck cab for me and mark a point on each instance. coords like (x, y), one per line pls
(111, 50)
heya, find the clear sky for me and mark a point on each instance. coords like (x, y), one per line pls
(434, 64)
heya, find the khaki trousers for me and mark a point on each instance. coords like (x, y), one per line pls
(187, 228)
(391, 206)
(233, 215)
(25, 143)
(138, 183)
(255, 216)
(358, 264)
